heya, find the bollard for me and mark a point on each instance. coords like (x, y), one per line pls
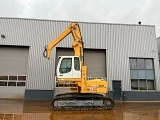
(124, 96)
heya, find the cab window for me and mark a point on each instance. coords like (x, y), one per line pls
(76, 63)
(66, 65)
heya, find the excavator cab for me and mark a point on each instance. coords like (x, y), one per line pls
(68, 72)
(69, 67)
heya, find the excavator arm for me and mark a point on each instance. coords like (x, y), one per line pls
(77, 45)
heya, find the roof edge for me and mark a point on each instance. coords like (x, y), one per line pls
(75, 21)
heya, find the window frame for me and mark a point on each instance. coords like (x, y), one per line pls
(138, 71)
(15, 81)
(60, 71)
(78, 64)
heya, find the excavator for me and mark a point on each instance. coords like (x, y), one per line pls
(82, 92)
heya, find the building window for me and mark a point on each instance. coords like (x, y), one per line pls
(13, 80)
(142, 74)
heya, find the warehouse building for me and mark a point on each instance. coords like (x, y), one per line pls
(125, 54)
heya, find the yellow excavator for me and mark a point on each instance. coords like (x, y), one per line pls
(85, 94)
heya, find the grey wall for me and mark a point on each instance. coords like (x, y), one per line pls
(38, 94)
(121, 41)
(141, 96)
(158, 44)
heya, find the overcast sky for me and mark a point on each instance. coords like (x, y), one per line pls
(106, 11)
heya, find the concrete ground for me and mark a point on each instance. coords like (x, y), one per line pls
(41, 110)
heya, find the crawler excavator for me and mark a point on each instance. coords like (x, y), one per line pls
(86, 94)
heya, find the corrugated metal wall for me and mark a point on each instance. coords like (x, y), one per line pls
(158, 41)
(121, 41)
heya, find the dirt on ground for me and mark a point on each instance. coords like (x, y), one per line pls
(41, 110)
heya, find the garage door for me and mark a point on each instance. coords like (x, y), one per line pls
(13, 71)
(93, 58)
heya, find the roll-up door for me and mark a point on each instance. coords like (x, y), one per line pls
(13, 71)
(94, 59)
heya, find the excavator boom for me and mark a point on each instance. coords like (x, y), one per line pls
(77, 44)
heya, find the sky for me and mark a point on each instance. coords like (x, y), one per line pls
(105, 11)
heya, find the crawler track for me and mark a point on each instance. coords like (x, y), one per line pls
(81, 101)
